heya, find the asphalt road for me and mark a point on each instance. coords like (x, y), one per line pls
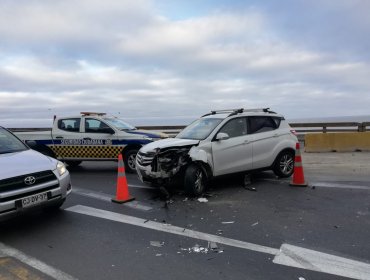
(273, 231)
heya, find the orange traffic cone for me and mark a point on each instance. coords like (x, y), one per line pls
(122, 195)
(298, 174)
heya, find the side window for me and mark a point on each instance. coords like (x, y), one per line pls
(95, 126)
(72, 125)
(277, 121)
(235, 127)
(261, 124)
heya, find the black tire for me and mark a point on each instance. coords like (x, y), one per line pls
(194, 180)
(284, 164)
(73, 163)
(129, 158)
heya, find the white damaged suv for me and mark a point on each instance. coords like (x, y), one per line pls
(29, 179)
(219, 143)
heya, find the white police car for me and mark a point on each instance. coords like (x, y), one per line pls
(29, 179)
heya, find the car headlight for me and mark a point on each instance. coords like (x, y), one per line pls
(61, 168)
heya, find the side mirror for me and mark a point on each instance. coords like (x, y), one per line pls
(222, 136)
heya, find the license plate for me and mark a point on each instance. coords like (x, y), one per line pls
(34, 199)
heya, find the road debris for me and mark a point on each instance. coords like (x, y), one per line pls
(247, 180)
(256, 223)
(202, 199)
(156, 243)
(252, 189)
(230, 222)
(211, 247)
(214, 247)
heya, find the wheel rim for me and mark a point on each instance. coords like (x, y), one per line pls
(131, 161)
(286, 164)
(198, 184)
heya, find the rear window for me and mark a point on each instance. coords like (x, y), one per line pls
(72, 125)
(258, 124)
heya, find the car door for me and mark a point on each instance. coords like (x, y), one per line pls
(99, 140)
(265, 138)
(67, 138)
(235, 153)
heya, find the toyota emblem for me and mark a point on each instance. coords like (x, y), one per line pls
(30, 180)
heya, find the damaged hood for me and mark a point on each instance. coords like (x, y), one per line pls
(167, 143)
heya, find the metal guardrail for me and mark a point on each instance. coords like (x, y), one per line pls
(301, 128)
(331, 127)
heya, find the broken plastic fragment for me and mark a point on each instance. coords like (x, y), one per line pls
(231, 222)
(156, 243)
(256, 223)
(202, 199)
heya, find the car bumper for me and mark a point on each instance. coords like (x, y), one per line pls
(57, 190)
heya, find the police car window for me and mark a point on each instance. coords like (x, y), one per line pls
(95, 126)
(72, 125)
(260, 124)
(235, 127)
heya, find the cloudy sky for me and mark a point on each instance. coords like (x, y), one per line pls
(166, 61)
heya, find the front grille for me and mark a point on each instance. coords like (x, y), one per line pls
(16, 183)
(145, 159)
(19, 196)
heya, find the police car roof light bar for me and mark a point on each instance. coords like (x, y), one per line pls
(92, 113)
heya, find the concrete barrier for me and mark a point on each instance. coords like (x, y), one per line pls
(337, 142)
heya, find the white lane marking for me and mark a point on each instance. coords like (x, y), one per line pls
(107, 198)
(287, 255)
(169, 228)
(38, 265)
(320, 184)
(339, 186)
(294, 256)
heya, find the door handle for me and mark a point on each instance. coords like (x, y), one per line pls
(59, 137)
(86, 138)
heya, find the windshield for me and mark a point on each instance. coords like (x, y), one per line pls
(9, 143)
(119, 124)
(200, 129)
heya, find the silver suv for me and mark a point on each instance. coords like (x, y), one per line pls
(220, 143)
(29, 179)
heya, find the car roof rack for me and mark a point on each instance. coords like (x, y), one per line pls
(92, 114)
(238, 111)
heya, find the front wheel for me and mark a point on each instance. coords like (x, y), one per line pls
(129, 159)
(284, 164)
(195, 180)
